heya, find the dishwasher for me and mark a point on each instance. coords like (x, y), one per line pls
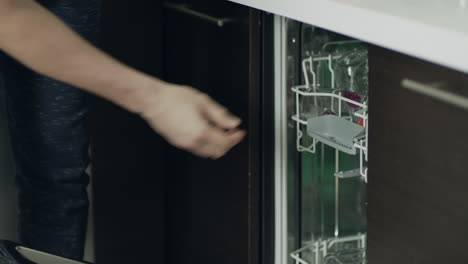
(321, 176)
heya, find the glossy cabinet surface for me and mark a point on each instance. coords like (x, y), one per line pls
(212, 205)
(418, 153)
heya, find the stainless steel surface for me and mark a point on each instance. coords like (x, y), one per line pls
(281, 210)
(43, 258)
(184, 8)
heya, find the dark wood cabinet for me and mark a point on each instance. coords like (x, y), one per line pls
(418, 153)
(128, 157)
(212, 205)
(157, 204)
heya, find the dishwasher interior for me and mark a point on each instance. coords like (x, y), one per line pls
(325, 78)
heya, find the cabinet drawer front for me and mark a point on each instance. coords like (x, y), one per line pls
(418, 167)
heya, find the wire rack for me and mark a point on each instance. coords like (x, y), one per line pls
(311, 90)
(336, 250)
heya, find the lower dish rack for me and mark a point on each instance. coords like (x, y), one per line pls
(336, 250)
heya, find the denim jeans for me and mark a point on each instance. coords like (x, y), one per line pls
(48, 127)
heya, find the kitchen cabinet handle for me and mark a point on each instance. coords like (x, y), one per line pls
(444, 96)
(184, 8)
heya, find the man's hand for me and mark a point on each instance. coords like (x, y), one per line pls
(191, 120)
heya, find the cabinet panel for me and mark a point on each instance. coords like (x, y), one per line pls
(128, 166)
(213, 205)
(417, 164)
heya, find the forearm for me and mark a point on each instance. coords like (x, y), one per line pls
(42, 42)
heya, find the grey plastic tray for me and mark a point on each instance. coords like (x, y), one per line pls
(335, 132)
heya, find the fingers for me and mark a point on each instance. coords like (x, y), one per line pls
(196, 123)
(215, 142)
(220, 142)
(219, 115)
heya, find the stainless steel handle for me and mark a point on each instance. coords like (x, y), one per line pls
(183, 8)
(441, 95)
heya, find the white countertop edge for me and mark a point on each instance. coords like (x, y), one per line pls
(428, 42)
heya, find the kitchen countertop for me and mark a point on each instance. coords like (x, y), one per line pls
(434, 30)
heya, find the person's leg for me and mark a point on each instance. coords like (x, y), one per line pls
(47, 121)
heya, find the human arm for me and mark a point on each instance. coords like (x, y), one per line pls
(185, 117)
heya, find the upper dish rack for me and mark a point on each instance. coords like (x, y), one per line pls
(336, 130)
